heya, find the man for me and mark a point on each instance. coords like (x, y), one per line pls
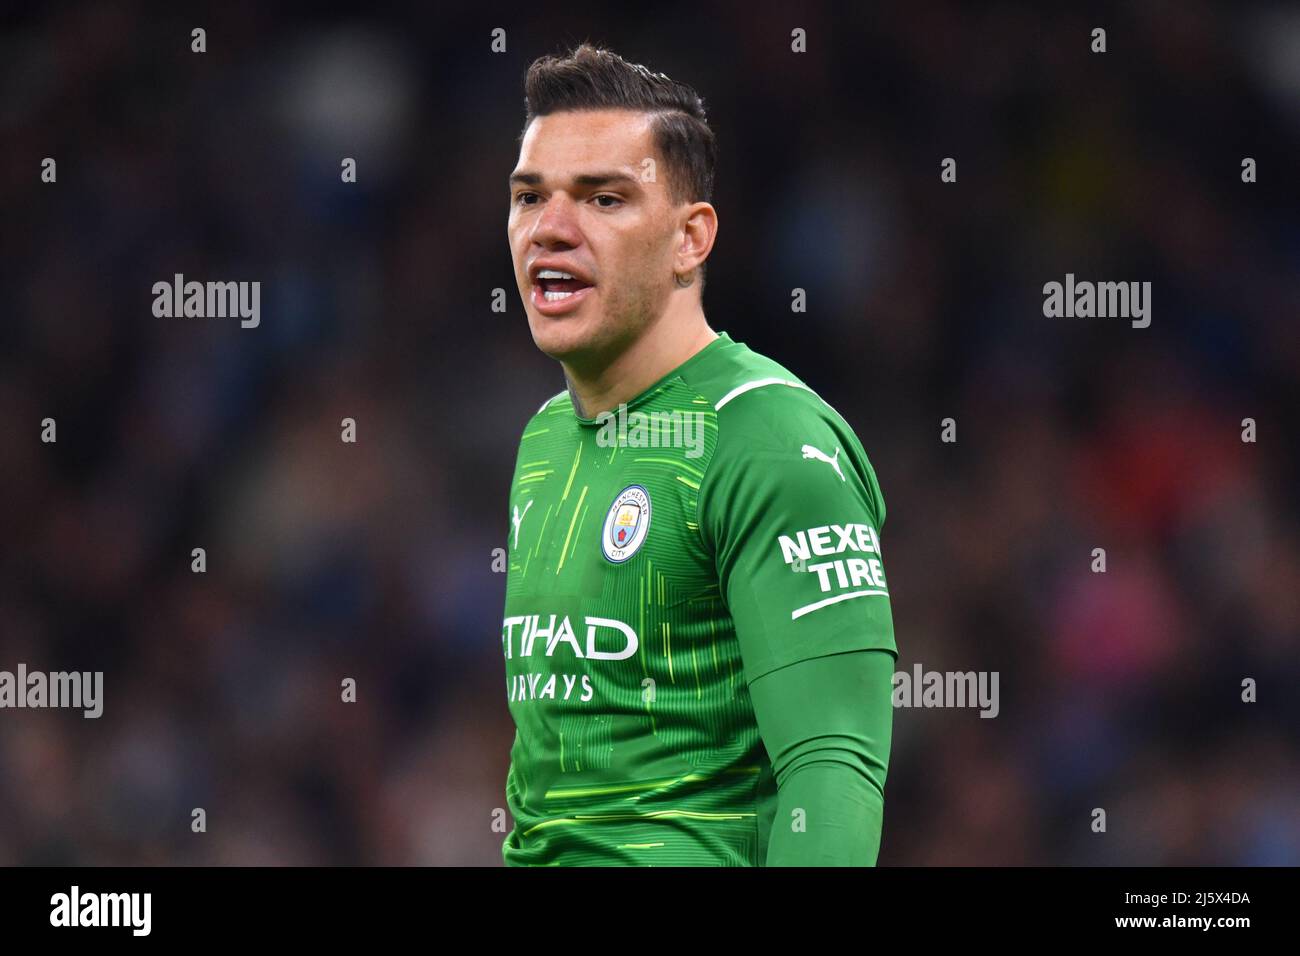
(698, 641)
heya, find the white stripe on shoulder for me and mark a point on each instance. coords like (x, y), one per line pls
(759, 383)
(548, 401)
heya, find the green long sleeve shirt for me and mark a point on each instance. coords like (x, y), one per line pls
(697, 628)
(827, 724)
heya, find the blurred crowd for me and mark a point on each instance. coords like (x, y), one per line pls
(372, 560)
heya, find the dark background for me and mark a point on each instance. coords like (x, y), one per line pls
(373, 561)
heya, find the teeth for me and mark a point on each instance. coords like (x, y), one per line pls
(553, 274)
(555, 296)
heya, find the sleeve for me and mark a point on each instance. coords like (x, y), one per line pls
(827, 724)
(792, 510)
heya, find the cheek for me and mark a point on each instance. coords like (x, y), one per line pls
(636, 263)
(517, 236)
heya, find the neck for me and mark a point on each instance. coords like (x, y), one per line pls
(665, 345)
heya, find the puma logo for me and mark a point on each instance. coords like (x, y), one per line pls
(810, 452)
(518, 519)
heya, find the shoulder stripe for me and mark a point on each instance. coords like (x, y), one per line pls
(548, 401)
(759, 383)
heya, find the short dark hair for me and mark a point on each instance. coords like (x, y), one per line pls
(592, 78)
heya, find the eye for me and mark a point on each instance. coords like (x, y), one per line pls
(608, 196)
(519, 199)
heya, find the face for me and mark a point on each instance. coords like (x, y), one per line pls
(578, 205)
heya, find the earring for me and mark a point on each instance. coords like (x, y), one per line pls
(690, 278)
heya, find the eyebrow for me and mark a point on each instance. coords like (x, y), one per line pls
(583, 179)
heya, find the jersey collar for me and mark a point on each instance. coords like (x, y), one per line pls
(721, 341)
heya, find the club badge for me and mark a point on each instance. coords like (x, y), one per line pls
(626, 524)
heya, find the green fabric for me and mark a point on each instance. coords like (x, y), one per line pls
(827, 724)
(649, 583)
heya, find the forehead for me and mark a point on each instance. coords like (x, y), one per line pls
(562, 142)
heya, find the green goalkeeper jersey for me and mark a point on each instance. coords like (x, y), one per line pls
(721, 525)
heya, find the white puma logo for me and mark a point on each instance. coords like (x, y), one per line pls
(810, 452)
(518, 519)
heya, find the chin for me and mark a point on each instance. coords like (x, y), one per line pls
(562, 338)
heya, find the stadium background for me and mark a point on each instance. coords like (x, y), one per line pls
(373, 560)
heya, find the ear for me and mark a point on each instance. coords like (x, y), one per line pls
(699, 230)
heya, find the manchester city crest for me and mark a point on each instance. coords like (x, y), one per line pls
(626, 524)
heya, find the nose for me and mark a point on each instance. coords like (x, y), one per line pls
(557, 224)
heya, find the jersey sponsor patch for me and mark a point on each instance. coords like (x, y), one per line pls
(626, 524)
(842, 578)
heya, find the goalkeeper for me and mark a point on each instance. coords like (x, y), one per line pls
(697, 635)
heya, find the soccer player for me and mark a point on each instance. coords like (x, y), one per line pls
(698, 641)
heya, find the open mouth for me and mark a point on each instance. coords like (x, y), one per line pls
(557, 285)
(555, 290)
